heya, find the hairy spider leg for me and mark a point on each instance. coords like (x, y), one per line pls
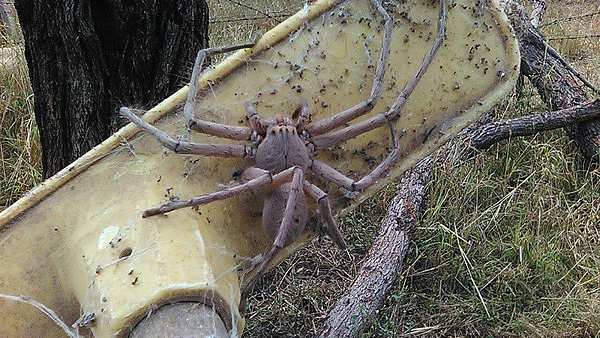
(322, 200)
(365, 106)
(303, 113)
(262, 181)
(339, 136)
(286, 224)
(319, 196)
(259, 127)
(207, 127)
(183, 147)
(331, 174)
(282, 234)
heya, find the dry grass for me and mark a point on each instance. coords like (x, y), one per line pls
(526, 213)
(574, 28)
(19, 141)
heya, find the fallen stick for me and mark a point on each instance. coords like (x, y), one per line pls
(353, 312)
(485, 136)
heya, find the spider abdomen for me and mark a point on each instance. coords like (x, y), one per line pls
(274, 210)
(281, 149)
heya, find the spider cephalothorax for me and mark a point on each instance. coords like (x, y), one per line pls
(281, 146)
(283, 149)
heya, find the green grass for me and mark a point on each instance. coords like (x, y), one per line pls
(526, 215)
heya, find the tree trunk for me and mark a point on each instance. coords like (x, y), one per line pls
(88, 57)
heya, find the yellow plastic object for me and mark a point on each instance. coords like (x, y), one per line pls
(78, 242)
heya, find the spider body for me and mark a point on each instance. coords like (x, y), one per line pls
(282, 147)
(274, 205)
(283, 150)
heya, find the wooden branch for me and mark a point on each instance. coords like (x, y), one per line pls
(570, 68)
(554, 80)
(354, 311)
(537, 13)
(485, 136)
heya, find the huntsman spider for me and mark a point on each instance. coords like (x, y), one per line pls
(284, 149)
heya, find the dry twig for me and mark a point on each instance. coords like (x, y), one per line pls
(362, 300)
(551, 76)
(353, 312)
(538, 11)
(492, 133)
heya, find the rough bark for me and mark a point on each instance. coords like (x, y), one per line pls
(486, 135)
(555, 81)
(537, 12)
(354, 311)
(87, 58)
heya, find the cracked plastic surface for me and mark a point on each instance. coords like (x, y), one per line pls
(87, 244)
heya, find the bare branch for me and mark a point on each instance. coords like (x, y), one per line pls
(537, 13)
(355, 309)
(550, 75)
(570, 68)
(491, 133)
